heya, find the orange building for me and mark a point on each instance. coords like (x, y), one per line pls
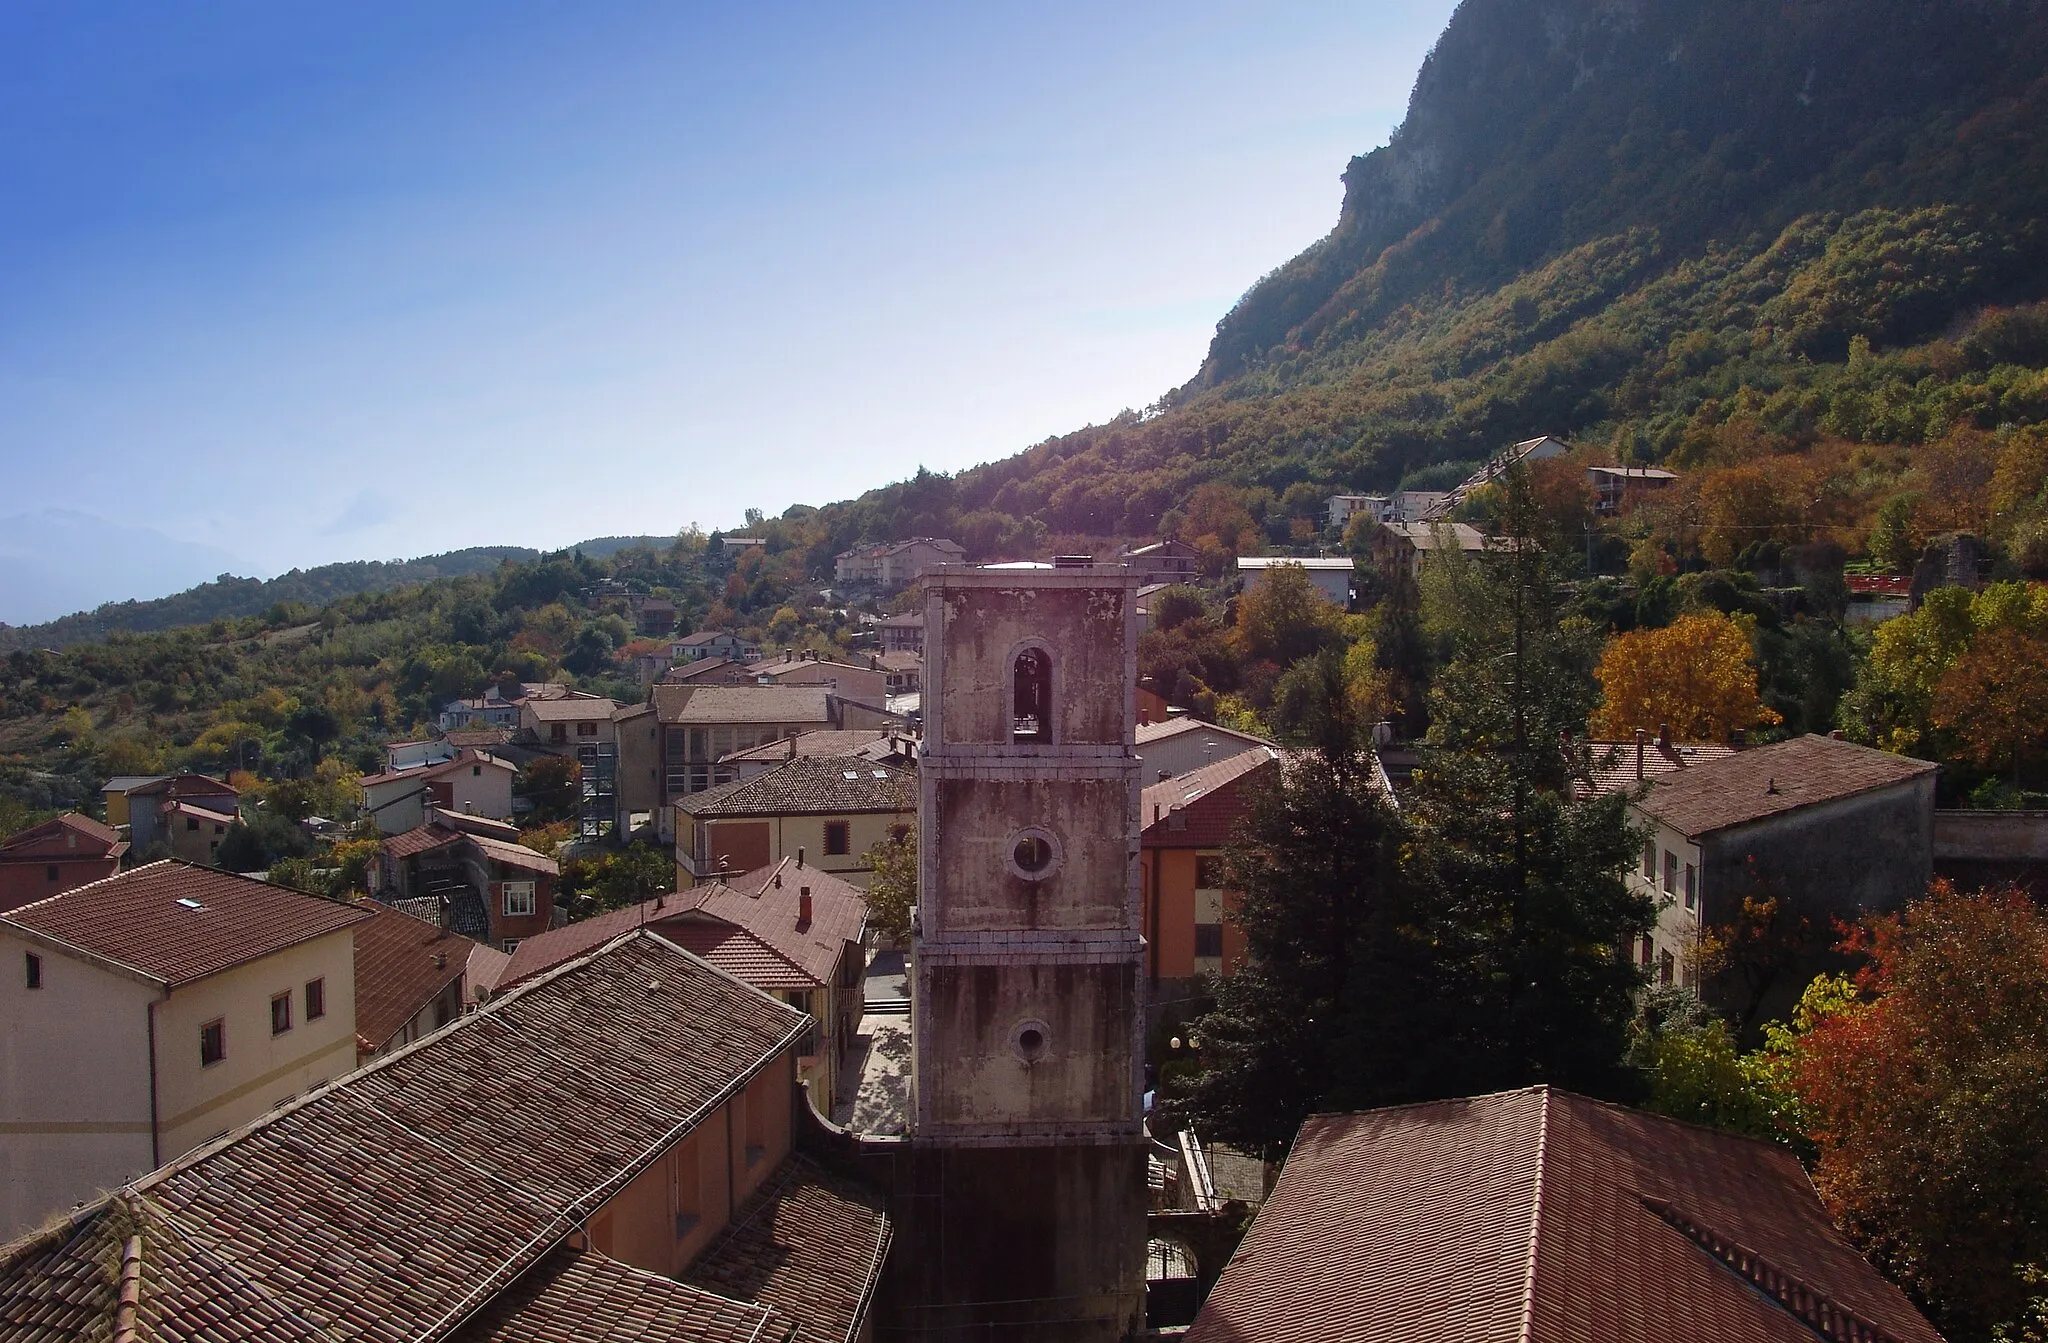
(1188, 822)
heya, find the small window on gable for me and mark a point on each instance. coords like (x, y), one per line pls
(1031, 698)
(281, 1013)
(35, 971)
(316, 999)
(52, 872)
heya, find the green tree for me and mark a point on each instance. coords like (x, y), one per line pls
(1284, 617)
(613, 879)
(892, 889)
(550, 783)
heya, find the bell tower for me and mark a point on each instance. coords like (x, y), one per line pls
(1027, 1023)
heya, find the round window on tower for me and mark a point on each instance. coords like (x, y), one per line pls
(1034, 854)
(1031, 1040)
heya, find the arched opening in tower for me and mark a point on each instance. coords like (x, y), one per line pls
(1031, 708)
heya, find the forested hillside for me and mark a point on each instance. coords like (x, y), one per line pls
(229, 598)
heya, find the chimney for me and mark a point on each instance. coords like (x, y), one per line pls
(803, 909)
(440, 960)
(1641, 738)
(1164, 776)
(778, 878)
(1772, 786)
(1836, 735)
(789, 748)
(1664, 734)
(799, 856)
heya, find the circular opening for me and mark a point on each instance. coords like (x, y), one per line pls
(1033, 854)
(1032, 1041)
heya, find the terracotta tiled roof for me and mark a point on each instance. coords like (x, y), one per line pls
(1614, 762)
(825, 741)
(68, 836)
(478, 738)
(766, 902)
(579, 1296)
(174, 923)
(807, 1243)
(1537, 1216)
(1768, 780)
(402, 964)
(375, 1210)
(515, 855)
(810, 785)
(193, 809)
(713, 670)
(707, 705)
(1173, 727)
(569, 710)
(420, 839)
(1212, 800)
(748, 929)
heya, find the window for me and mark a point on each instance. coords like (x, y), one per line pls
(53, 873)
(35, 971)
(1692, 887)
(1670, 872)
(316, 999)
(191, 822)
(1667, 967)
(476, 771)
(557, 733)
(838, 837)
(518, 899)
(586, 729)
(213, 1043)
(280, 1014)
(510, 945)
(1031, 697)
(1209, 872)
(1209, 940)
(1649, 860)
(1648, 952)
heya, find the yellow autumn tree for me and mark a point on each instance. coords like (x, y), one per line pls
(1695, 675)
(1995, 699)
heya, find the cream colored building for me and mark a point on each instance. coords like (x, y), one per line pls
(150, 1012)
(829, 809)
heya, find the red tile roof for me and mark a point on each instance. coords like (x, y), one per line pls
(580, 1296)
(1537, 1215)
(420, 839)
(821, 742)
(515, 855)
(1614, 762)
(1770, 780)
(468, 755)
(810, 785)
(1212, 801)
(807, 1243)
(68, 836)
(140, 919)
(748, 929)
(569, 710)
(402, 965)
(707, 705)
(377, 1211)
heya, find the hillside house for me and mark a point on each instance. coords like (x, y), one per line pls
(1616, 487)
(1332, 577)
(1401, 547)
(893, 565)
(671, 1203)
(901, 634)
(1163, 561)
(1539, 1216)
(199, 998)
(58, 855)
(1182, 745)
(490, 890)
(713, 644)
(1189, 820)
(143, 804)
(831, 808)
(1341, 508)
(194, 833)
(697, 726)
(1831, 829)
(473, 782)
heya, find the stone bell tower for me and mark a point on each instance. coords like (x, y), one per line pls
(1027, 1023)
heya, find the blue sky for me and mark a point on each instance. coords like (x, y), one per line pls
(304, 283)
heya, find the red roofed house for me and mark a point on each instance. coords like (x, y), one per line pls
(474, 782)
(410, 978)
(789, 930)
(1538, 1216)
(493, 891)
(194, 832)
(604, 1155)
(149, 1012)
(143, 806)
(51, 858)
(1188, 821)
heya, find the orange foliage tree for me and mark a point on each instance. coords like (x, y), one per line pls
(1695, 675)
(1924, 1097)
(1994, 699)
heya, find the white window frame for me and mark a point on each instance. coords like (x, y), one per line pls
(523, 892)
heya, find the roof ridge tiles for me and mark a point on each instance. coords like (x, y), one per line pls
(1541, 1163)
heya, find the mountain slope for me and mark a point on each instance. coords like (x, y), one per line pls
(1618, 222)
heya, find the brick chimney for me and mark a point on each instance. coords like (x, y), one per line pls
(803, 909)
